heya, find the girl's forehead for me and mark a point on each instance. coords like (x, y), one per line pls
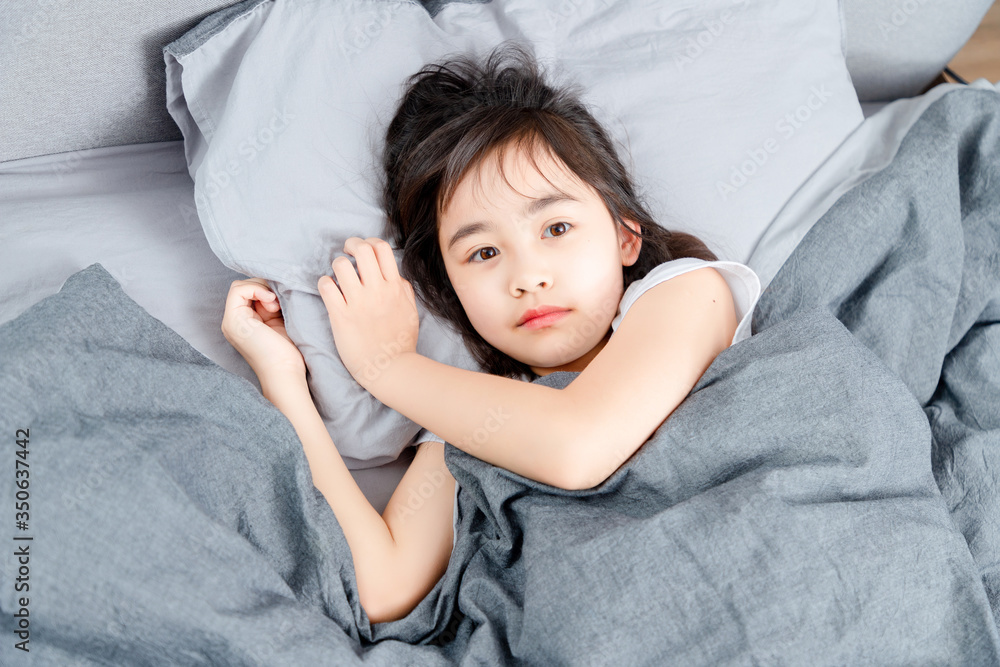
(512, 176)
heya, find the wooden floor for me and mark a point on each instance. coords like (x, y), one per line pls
(980, 57)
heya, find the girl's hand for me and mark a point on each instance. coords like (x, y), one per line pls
(254, 325)
(373, 312)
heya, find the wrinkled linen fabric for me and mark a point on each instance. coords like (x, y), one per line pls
(823, 496)
(909, 261)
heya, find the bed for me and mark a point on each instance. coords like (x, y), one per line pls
(827, 494)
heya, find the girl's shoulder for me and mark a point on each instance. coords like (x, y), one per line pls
(742, 280)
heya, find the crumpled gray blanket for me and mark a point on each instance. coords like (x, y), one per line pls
(909, 261)
(825, 495)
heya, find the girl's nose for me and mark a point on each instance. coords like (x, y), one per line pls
(518, 291)
(529, 276)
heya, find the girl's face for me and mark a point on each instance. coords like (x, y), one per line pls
(545, 242)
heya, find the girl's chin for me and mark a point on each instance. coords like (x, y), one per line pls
(546, 366)
(547, 361)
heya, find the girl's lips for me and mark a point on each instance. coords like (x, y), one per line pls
(546, 320)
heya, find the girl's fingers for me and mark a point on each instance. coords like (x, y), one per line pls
(270, 301)
(386, 258)
(347, 278)
(376, 264)
(374, 256)
(246, 292)
(266, 300)
(267, 311)
(330, 293)
(239, 295)
(256, 290)
(368, 269)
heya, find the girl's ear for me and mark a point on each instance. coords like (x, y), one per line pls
(630, 243)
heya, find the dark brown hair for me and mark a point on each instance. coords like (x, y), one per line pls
(455, 114)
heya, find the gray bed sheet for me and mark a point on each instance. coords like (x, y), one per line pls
(825, 495)
(130, 208)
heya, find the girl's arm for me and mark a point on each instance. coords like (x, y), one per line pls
(399, 558)
(420, 515)
(577, 437)
(572, 438)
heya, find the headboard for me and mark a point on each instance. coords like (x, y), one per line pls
(86, 75)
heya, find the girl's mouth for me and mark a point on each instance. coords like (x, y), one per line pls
(545, 320)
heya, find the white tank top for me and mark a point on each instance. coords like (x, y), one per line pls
(742, 281)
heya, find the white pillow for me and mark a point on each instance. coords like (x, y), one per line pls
(724, 106)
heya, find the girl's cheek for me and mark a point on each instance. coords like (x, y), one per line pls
(477, 308)
(468, 298)
(484, 310)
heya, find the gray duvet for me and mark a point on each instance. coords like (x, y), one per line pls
(827, 494)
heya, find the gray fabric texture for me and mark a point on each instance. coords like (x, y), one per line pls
(434, 6)
(909, 260)
(79, 75)
(786, 512)
(211, 26)
(895, 49)
(85, 75)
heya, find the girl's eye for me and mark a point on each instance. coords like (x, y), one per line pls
(483, 254)
(559, 228)
(489, 252)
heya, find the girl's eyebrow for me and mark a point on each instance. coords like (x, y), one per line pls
(468, 230)
(531, 208)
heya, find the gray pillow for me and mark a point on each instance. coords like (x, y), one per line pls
(79, 75)
(284, 105)
(62, 94)
(896, 48)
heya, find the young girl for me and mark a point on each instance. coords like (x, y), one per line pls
(521, 227)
